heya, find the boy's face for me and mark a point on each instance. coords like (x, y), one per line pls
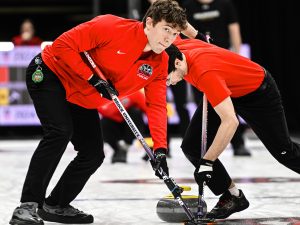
(160, 36)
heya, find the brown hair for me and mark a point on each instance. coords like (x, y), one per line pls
(168, 10)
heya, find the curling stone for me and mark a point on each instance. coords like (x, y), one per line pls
(169, 210)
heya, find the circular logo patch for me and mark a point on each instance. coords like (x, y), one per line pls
(37, 76)
(38, 61)
(145, 71)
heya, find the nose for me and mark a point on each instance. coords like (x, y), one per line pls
(169, 39)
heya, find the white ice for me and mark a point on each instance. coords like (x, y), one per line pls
(135, 203)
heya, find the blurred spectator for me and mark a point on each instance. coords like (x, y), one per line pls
(219, 19)
(27, 35)
(179, 92)
(117, 133)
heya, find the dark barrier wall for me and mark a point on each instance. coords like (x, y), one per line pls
(270, 28)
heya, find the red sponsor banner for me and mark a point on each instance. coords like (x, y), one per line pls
(4, 74)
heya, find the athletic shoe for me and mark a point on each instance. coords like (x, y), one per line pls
(67, 214)
(145, 157)
(119, 156)
(227, 205)
(241, 151)
(26, 214)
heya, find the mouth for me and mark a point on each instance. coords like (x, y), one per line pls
(164, 46)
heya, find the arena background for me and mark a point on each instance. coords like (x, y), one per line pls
(269, 27)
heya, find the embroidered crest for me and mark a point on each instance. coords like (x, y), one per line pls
(37, 76)
(38, 61)
(145, 71)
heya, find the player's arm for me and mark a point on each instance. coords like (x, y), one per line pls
(226, 130)
(235, 37)
(190, 31)
(68, 47)
(156, 111)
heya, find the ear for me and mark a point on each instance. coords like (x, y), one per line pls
(149, 22)
(177, 63)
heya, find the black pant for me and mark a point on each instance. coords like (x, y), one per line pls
(264, 113)
(179, 92)
(62, 122)
(116, 131)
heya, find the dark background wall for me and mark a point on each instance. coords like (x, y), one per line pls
(269, 27)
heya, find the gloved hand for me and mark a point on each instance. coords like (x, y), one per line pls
(103, 87)
(204, 172)
(160, 161)
(202, 37)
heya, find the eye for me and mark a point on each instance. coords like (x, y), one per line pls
(167, 29)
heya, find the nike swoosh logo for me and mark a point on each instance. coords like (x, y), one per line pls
(121, 53)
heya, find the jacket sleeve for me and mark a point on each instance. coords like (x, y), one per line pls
(84, 37)
(138, 100)
(156, 103)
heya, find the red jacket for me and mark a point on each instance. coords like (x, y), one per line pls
(110, 110)
(116, 45)
(18, 41)
(218, 72)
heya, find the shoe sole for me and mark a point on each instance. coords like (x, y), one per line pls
(22, 222)
(119, 161)
(64, 219)
(229, 214)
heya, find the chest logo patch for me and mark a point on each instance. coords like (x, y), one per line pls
(120, 52)
(145, 71)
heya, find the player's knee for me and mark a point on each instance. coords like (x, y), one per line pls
(59, 133)
(97, 160)
(290, 162)
(93, 161)
(193, 159)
